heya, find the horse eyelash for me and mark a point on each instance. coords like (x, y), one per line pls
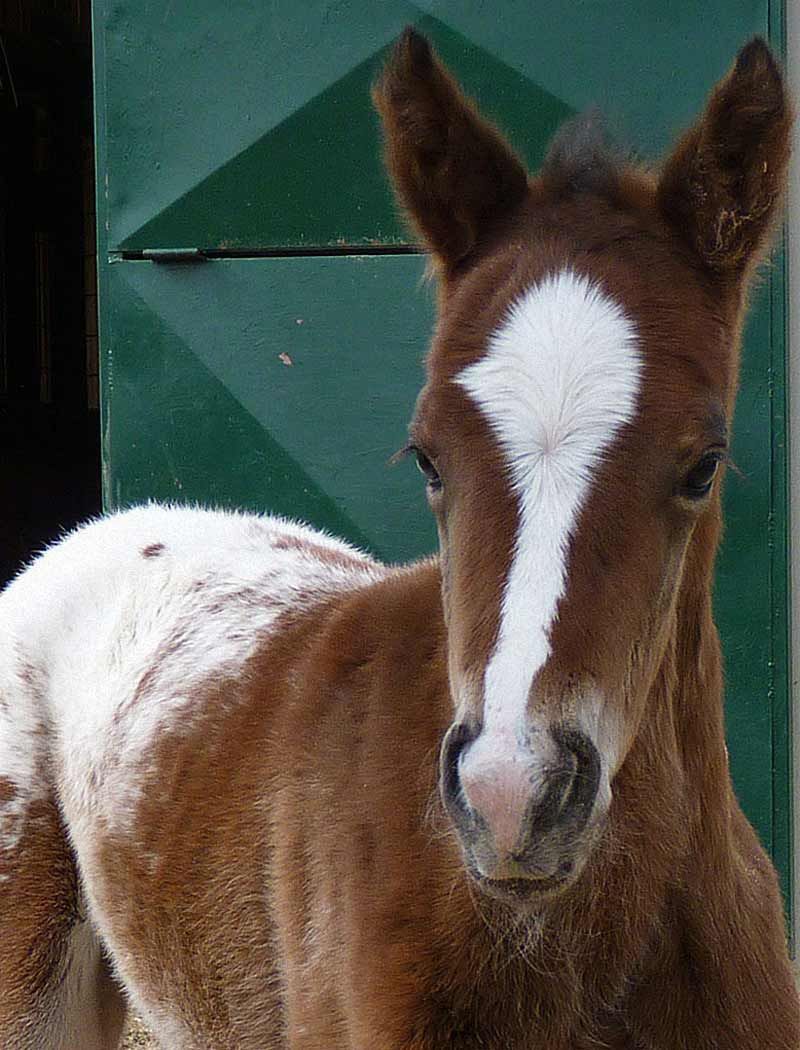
(407, 450)
(724, 456)
(731, 464)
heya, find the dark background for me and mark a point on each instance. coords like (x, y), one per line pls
(49, 429)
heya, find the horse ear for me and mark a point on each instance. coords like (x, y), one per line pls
(723, 184)
(451, 170)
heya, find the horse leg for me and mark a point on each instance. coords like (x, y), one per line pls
(56, 990)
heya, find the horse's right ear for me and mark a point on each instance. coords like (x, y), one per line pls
(451, 170)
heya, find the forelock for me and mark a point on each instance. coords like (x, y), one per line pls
(581, 158)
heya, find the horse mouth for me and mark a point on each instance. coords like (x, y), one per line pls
(520, 891)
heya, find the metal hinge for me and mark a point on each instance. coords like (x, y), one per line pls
(171, 255)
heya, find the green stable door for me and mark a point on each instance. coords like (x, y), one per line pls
(264, 314)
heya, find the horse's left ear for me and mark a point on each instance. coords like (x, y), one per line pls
(452, 171)
(722, 187)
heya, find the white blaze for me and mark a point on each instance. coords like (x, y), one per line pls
(558, 382)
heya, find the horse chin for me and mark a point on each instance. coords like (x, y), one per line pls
(529, 892)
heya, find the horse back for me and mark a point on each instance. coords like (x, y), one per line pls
(132, 708)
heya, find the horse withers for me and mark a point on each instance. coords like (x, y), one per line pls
(271, 793)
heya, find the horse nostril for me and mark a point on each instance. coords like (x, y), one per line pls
(571, 789)
(582, 757)
(456, 739)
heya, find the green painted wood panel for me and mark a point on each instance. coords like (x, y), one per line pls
(278, 383)
(246, 128)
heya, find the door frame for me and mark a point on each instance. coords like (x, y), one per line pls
(792, 44)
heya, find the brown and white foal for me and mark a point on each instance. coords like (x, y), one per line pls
(273, 794)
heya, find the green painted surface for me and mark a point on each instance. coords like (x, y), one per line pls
(280, 383)
(316, 179)
(248, 127)
(783, 801)
(743, 584)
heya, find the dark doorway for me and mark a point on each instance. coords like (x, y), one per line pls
(49, 433)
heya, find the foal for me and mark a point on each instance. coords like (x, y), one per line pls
(220, 798)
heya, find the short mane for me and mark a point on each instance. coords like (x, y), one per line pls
(581, 157)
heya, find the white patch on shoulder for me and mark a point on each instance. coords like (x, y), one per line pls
(560, 379)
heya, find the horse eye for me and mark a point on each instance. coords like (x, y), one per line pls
(700, 478)
(427, 468)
